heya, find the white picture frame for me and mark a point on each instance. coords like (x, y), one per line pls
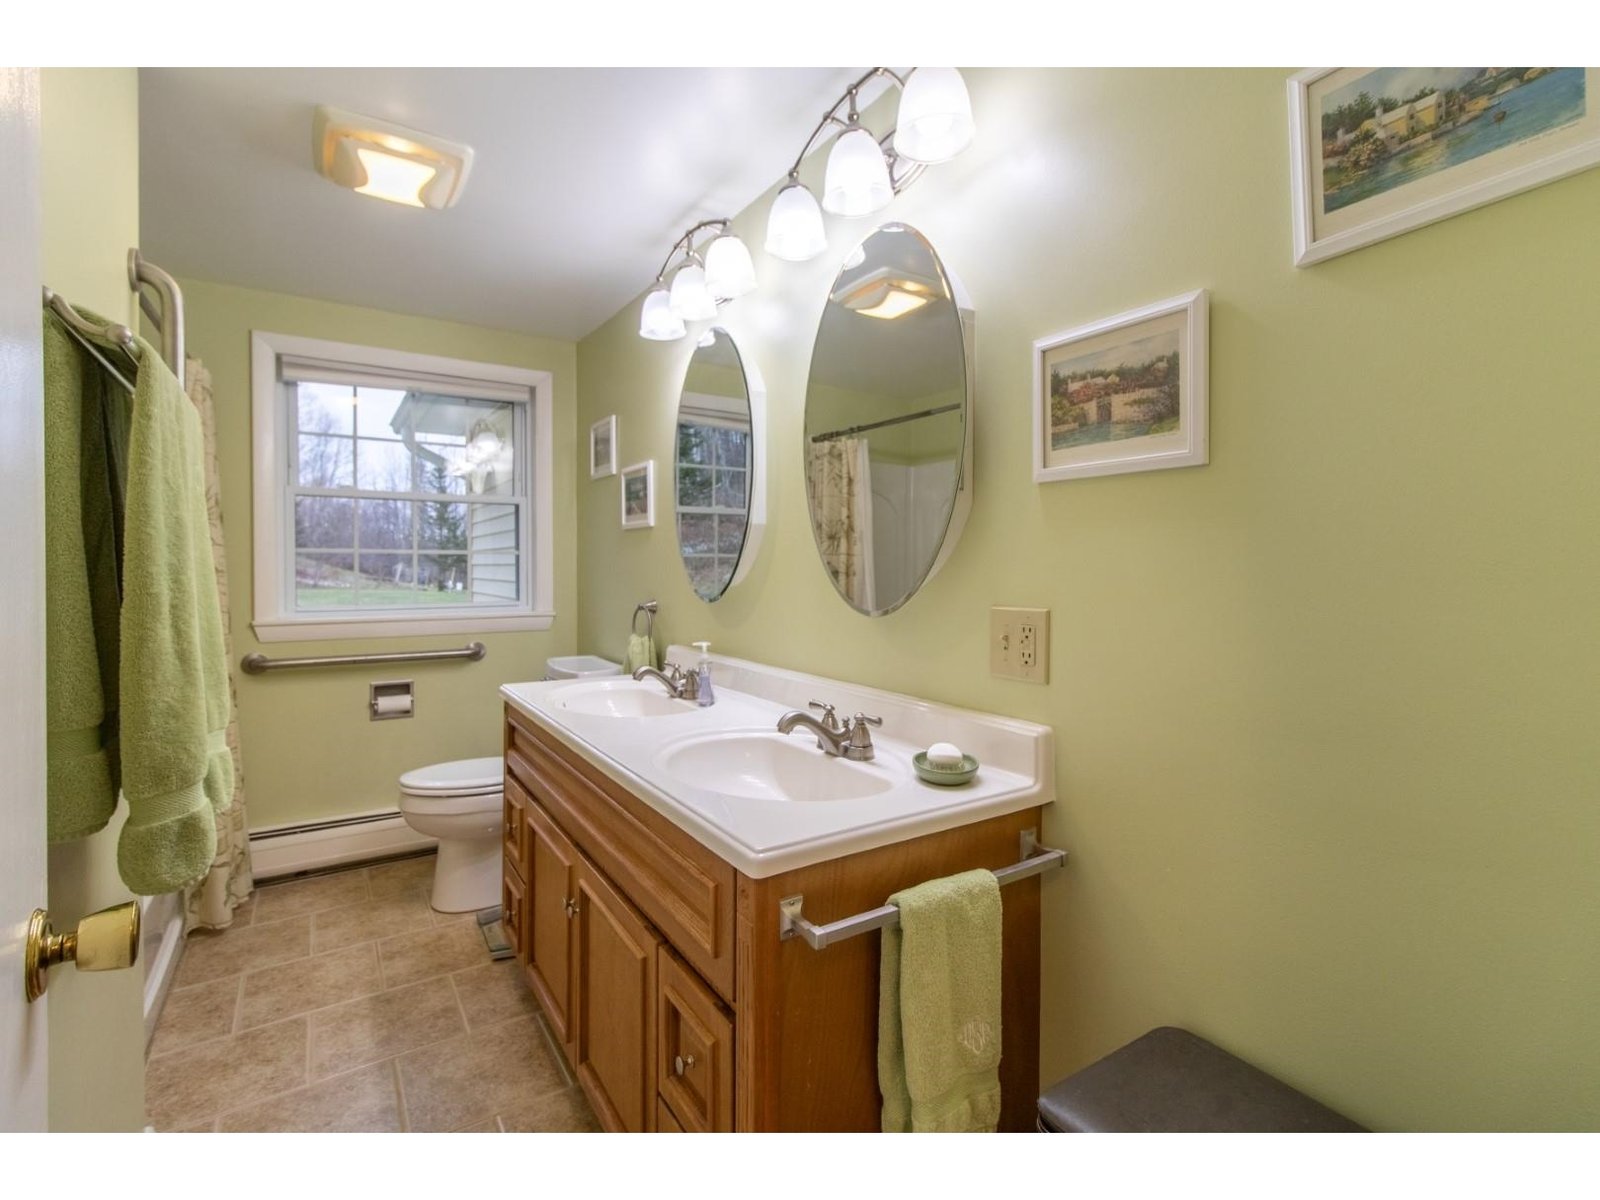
(637, 492)
(603, 448)
(1474, 155)
(1086, 358)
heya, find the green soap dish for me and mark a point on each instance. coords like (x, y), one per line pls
(944, 776)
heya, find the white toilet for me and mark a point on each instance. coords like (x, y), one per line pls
(459, 803)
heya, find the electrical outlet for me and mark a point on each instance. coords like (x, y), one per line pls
(1019, 643)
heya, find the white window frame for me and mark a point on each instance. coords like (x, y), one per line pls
(275, 618)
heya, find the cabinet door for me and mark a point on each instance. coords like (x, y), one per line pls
(695, 1061)
(549, 936)
(513, 838)
(616, 1001)
(513, 908)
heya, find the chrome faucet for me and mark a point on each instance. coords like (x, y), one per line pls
(852, 740)
(680, 684)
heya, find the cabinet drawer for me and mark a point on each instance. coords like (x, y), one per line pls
(694, 1036)
(512, 908)
(684, 889)
(514, 833)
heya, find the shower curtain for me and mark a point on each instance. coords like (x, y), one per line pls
(839, 478)
(209, 904)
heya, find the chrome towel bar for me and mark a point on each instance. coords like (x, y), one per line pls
(259, 664)
(1035, 860)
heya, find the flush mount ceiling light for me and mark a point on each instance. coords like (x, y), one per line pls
(716, 271)
(886, 294)
(391, 162)
(865, 172)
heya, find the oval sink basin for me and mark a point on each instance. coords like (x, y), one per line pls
(771, 766)
(622, 698)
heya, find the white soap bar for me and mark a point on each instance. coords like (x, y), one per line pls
(943, 754)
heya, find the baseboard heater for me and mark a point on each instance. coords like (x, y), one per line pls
(312, 845)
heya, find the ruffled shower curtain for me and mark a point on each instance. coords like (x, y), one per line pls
(839, 479)
(209, 904)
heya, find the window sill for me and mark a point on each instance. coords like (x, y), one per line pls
(316, 629)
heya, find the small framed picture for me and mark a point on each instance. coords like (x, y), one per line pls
(603, 448)
(1127, 393)
(1379, 151)
(639, 495)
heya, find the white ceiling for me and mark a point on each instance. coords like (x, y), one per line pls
(581, 180)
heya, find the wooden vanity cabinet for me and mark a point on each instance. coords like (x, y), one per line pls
(661, 973)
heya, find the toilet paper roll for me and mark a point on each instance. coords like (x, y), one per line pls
(388, 705)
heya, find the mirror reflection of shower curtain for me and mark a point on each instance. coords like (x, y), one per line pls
(840, 480)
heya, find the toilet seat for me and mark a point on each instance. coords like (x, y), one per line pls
(464, 777)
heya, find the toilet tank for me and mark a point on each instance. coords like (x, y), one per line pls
(580, 666)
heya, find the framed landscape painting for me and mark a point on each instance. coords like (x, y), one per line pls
(1124, 394)
(603, 448)
(1379, 151)
(639, 495)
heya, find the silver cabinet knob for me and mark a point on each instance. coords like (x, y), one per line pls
(682, 1063)
(571, 907)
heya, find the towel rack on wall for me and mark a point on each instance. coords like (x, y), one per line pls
(1035, 860)
(648, 608)
(166, 314)
(260, 664)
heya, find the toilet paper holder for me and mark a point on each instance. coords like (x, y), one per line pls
(391, 700)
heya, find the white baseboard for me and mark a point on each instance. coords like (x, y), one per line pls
(310, 845)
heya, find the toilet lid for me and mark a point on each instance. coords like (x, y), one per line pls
(464, 777)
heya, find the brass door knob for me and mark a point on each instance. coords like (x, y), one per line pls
(104, 941)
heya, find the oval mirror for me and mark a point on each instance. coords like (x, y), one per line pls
(719, 466)
(888, 429)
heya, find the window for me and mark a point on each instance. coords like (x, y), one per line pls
(397, 493)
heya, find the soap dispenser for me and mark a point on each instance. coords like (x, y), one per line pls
(704, 697)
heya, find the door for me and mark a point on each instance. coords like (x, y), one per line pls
(549, 936)
(616, 1010)
(23, 1045)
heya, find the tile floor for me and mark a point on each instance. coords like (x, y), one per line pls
(343, 1003)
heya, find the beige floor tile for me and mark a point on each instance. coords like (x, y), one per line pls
(370, 920)
(403, 876)
(320, 981)
(245, 914)
(208, 956)
(556, 1053)
(482, 1127)
(379, 1026)
(203, 1127)
(275, 901)
(409, 957)
(566, 1111)
(192, 1015)
(473, 1078)
(494, 992)
(361, 1101)
(440, 918)
(189, 1086)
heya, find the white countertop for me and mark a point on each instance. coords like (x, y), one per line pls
(764, 837)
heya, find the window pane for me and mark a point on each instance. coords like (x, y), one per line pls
(730, 534)
(443, 579)
(324, 461)
(386, 580)
(733, 448)
(324, 523)
(694, 443)
(694, 487)
(731, 489)
(386, 524)
(324, 408)
(447, 479)
(383, 466)
(375, 409)
(707, 575)
(697, 533)
(324, 580)
(443, 526)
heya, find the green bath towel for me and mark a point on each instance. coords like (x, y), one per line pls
(641, 653)
(939, 1008)
(85, 417)
(176, 768)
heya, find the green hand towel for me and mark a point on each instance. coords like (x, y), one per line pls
(641, 653)
(939, 1008)
(84, 419)
(176, 768)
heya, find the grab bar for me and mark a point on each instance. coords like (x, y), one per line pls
(1035, 860)
(259, 664)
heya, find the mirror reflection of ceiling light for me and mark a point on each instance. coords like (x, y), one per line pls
(886, 293)
(391, 162)
(895, 302)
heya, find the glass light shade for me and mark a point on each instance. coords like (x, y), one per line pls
(935, 121)
(729, 271)
(794, 226)
(857, 182)
(691, 298)
(657, 320)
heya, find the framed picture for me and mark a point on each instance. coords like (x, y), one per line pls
(603, 448)
(1124, 394)
(1378, 151)
(639, 495)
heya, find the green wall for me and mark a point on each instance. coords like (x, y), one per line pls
(310, 750)
(1325, 708)
(89, 203)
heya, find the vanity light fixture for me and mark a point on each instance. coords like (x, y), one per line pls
(716, 271)
(866, 172)
(391, 162)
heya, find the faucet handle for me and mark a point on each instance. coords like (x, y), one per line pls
(829, 717)
(863, 719)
